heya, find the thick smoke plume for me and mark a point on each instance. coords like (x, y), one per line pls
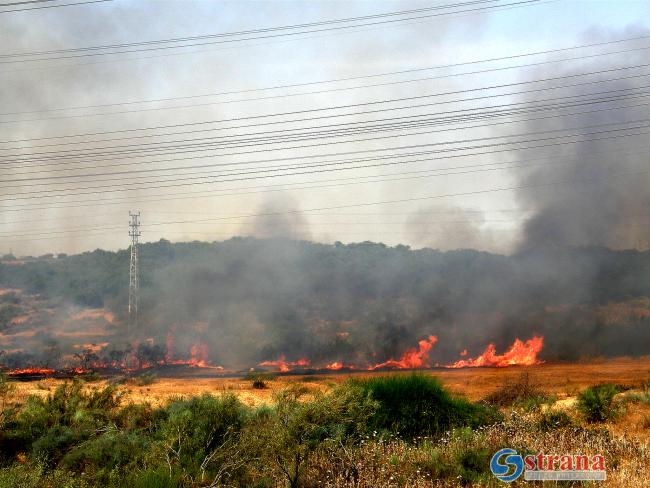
(594, 192)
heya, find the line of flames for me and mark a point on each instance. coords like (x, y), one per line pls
(520, 353)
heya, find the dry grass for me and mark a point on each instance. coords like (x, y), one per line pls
(561, 380)
(625, 441)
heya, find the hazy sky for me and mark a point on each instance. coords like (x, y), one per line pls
(71, 194)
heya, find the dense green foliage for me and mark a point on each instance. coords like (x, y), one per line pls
(418, 405)
(597, 403)
(208, 440)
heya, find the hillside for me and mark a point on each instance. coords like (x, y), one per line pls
(241, 302)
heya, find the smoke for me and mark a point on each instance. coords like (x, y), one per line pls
(449, 228)
(279, 217)
(594, 192)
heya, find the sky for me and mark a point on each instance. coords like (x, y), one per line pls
(88, 138)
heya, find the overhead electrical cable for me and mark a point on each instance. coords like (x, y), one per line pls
(86, 2)
(376, 75)
(182, 170)
(144, 46)
(289, 95)
(640, 124)
(406, 200)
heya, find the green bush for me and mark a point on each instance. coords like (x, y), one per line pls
(290, 433)
(51, 446)
(597, 404)
(473, 464)
(418, 405)
(553, 419)
(192, 430)
(110, 450)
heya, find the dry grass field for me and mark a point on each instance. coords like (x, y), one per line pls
(624, 439)
(563, 380)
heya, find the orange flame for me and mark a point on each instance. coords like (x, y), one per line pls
(520, 353)
(199, 353)
(283, 365)
(28, 371)
(413, 358)
(335, 366)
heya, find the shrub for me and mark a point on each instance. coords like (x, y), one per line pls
(90, 376)
(597, 404)
(291, 432)
(51, 446)
(554, 419)
(473, 464)
(147, 378)
(259, 380)
(522, 392)
(418, 405)
(192, 430)
(110, 450)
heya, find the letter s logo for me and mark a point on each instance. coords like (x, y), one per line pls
(511, 460)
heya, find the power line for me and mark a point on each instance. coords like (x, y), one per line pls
(228, 34)
(25, 2)
(428, 173)
(392, 73)
(212, 146)
(49, 180)
(51, 6)
(123, 188)
(315, 92)
(445, 156)
(84, 54)
(355, 105)
(402, 200)
(305, 133)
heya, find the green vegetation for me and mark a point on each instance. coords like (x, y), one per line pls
(397, 430)
(554, 419)
(80, 435)
(418, 405)
(291, 297)
(597, 403)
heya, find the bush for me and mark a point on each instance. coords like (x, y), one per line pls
(295, 428)
(110, 450)
(192, 430)
(147, 378)
(522, 392)
(259, 380)
(597, 404)
(554, 419)
(418, 405)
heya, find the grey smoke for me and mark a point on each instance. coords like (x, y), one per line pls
(600, 199)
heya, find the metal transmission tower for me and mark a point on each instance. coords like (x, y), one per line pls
(134, 270)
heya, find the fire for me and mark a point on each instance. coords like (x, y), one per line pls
(335, 366)
(520, 353)
(413, 358)
(283, 365)
(199, 353)
(30, 371)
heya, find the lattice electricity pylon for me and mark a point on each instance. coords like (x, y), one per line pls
(134, 270)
